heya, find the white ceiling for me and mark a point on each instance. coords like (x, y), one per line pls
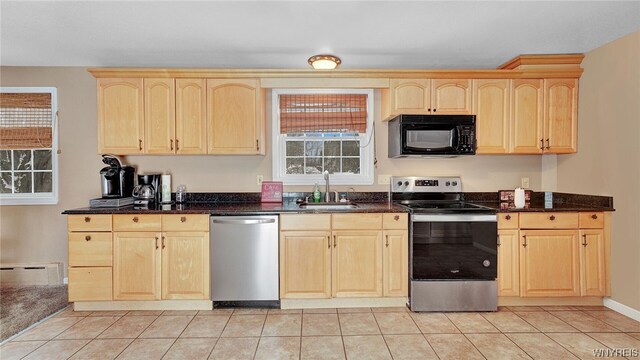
(271, 34)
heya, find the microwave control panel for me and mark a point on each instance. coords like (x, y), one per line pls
(466, 143)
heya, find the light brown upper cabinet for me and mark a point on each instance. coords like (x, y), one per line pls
(491, 106)
(526, 116)
(560, 115)
(235, 117)
(120, 116)
(544, 116)
(423, 96)
(191, 124)
(159, 116)
(174, 116)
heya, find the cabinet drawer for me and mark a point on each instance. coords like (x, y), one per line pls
(180, 222)
(508, 220)
(356, 221)
(135, 222)
(395, 221)
(305, 222)
(89, 222)
(90, 284)
(90, 249)
(591, 220)
(549, 220)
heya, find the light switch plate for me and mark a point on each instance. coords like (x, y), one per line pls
(259, 179)
(384, 179)
(525, 182)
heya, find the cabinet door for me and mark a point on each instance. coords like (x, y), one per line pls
(408, 96)
(136, 266)
(305, 264)
(526, 116)
(592, 263)
(549, 263)
(185, 265)
(508, 263)
(120, 116)
(357, 263)
(491, 106)
(560, 115)
(395, 263)
(90, 284)
(451, 96)
(159, 116)
(234, 116)
(191, 123)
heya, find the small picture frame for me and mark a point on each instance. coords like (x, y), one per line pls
(271, 192)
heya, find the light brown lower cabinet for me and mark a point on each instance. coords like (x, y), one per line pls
(395, 263)
(357, 263)
(320, 263)
(592, 260)
(154, 266)
(549, 263)
(508, 263)
(553, 255)
(138, 261)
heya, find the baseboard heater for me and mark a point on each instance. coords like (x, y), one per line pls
(32, 274)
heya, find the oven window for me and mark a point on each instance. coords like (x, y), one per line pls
(454, 251)
(429, 139)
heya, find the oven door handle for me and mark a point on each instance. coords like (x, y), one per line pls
(455, 218)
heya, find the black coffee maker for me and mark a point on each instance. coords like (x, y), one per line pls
(117, 180)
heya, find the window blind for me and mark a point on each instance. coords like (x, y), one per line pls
(301, 113)
(25, 120)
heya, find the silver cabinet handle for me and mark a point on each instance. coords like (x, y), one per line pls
(243, 221)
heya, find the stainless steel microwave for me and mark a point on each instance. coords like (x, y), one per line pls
(432, 135)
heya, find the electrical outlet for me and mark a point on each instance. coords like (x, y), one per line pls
(525, 182)
(384, 179)
(259, 179)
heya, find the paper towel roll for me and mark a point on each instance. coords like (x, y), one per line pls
(166, 188)
(518, 198)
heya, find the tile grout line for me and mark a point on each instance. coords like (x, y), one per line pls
(94, 338)
(422, 334)
(381, 334)
(344, 349)
(465, 336)
(613, 326)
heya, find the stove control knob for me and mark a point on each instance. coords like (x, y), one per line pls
(406, 183)
(455, 183)
(399, 183)
(447, 183)
(486, 263)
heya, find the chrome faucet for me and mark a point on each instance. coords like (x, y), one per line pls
(327, 194)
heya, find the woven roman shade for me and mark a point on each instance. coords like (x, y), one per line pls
(301, 113)
(25, 120)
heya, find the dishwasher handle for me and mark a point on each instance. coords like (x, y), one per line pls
(244, 221)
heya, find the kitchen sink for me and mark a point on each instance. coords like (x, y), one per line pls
(328, 206)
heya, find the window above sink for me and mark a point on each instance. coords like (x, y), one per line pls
(323, 129)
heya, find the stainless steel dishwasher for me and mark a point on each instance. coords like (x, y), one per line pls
(244, 260)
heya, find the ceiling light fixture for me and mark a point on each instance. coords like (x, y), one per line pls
(324, 62)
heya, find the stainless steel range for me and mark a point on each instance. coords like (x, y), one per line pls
(453, 246)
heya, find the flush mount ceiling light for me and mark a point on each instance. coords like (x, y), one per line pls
(324, 62)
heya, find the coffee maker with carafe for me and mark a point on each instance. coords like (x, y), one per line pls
(148, 190)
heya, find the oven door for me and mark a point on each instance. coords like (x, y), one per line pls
(454, 247)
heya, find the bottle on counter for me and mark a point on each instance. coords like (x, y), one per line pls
(181, 194)
(316, 193)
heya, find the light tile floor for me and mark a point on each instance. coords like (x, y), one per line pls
(555, 332)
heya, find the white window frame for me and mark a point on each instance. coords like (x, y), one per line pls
(278, 144)
(39, 198)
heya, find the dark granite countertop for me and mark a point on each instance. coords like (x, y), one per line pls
(367, 202)
(240, 208)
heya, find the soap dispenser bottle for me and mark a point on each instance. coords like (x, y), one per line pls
(316, 193)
